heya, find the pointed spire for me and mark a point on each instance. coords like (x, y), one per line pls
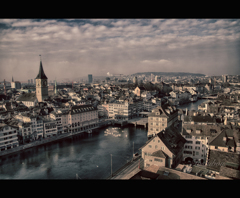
(41, 74)
(55, 86)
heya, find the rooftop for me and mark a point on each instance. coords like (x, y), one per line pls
(27, 97)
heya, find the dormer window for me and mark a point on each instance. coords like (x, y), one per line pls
(198, 131)
(189, 130)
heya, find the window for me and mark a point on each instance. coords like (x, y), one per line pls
(162, 124)
(188, 136)
(158, 141)
(150, 146)
(157, 160)
(162, 147)
(156, 146)
(197, 142)
(197, 153)
(216, 147)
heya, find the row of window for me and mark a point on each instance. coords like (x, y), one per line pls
(156, 146)
(158, 119)
(190, 147)
(156, 159)
(196, 137)
(190, 142)
(192, 153)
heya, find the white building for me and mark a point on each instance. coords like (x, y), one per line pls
(49, 128)
(8, 137)
(82, 118)
(36, 124)
(197, 136)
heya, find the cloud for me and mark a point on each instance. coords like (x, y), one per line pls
(119, 45)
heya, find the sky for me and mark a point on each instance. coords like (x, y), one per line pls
(73, 48)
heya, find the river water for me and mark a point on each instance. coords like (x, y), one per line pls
(87, 155)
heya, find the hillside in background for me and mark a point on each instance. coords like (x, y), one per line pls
(169, 74)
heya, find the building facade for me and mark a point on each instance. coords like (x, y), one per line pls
(90, 79)
(8, 137)
(162, 117)
(164, 149)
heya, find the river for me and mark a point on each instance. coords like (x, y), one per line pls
(88, 155)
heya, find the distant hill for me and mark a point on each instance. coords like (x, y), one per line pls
(169, 74)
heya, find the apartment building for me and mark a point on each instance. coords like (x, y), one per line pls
(36, 123)
(8, 137)
(125, 110)
(49, 128)
(82, 118)
(162, 117)
(224, 152)
(25, 131)
(164, 149)
(58, 118)
(196, 148)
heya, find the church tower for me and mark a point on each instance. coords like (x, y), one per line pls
(41, 84)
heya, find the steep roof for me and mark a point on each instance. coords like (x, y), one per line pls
(27, 97)
(217, 159)
(173, 140)
(232, 137)
(41, 74)
(81, 108)
(205, 130)
(199, 118)
(164, 111)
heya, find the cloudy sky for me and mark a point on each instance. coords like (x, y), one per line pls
(72, 48)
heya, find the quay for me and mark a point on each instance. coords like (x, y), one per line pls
(102, 123)
(44, 141)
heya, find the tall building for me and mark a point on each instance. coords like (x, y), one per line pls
(41, 84)
(55, 90)
(90, 78)
(224, 78)
(28, 81)
(152, 77)
(31, 81)
(135, 80)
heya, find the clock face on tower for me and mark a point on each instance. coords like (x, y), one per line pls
(44, 83)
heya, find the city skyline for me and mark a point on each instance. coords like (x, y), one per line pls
(118, 46)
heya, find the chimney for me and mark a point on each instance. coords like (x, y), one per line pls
(225, 139)
(225, 121)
